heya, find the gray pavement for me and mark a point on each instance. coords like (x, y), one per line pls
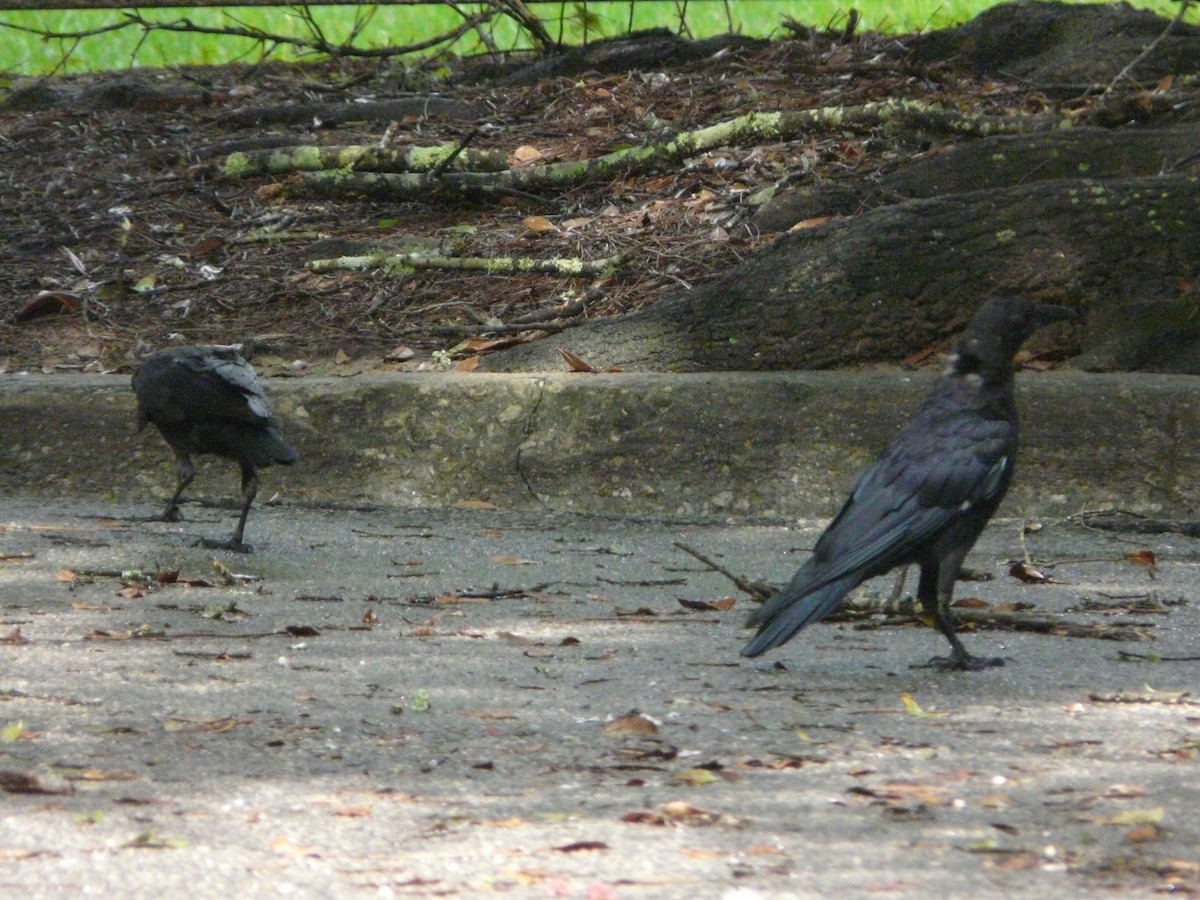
(349, 720)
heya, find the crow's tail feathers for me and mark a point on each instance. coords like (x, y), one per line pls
(265, 446)
(793, 608)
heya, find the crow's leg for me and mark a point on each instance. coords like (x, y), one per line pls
(249, 489)
(935, 591)
(184, 473)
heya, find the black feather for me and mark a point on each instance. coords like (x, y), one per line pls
(929, 496)
(207, 400)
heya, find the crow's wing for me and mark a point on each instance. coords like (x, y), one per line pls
(202, 384)
(944, 465)
(932, 475)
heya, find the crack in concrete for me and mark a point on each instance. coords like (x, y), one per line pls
(530, 425)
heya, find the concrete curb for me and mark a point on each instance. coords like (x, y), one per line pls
(775, 445)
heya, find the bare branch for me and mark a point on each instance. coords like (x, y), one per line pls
(1150, 48)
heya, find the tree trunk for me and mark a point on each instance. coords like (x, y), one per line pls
(996, 162)
(897, 279)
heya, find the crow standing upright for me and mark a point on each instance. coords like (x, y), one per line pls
(208, 400)
(932, 492)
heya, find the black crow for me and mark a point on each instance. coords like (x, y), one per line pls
(208, 400)
(930, 495)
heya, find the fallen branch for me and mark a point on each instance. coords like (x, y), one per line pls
(361, 158)
(1126, 656)
(1147, 696)
(569, 309)
(1133, 631)
(904, 116)
(1119, 520)
(406, 263)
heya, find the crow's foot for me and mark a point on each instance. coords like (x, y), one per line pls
(231, 545)
(962, 663)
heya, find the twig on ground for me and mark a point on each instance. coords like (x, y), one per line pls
(757, 592)
(442, 166)
(1150, 48)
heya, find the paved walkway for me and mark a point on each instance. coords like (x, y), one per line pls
(464, 702)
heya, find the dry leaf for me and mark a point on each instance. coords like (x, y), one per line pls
(1142, 558)
(100, 775)
(970, 603)
(723, 605)
(47, 303)
(644, 817)
(515, 639)
(525, 155)
(1124, 792)
(189, 726)
(1152, 816)
(1027, 574)
(813, 223)
(399, 354)
(633, 724)
(574, 363)
(511, 822)
(916, 359)
(694, 777)
(456, 600)
(679, 811)
(473, 504)
(206, 247)
(28, 783)
(487, 345)
(1143, 834)
(512, 561)
(538, 224)
(470, 364)
(913, 708)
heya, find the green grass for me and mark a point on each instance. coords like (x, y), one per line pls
(28, 54)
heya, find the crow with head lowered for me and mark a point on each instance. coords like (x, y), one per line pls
(208, 400)
(929, 496)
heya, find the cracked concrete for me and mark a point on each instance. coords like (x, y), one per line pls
(774, 445)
